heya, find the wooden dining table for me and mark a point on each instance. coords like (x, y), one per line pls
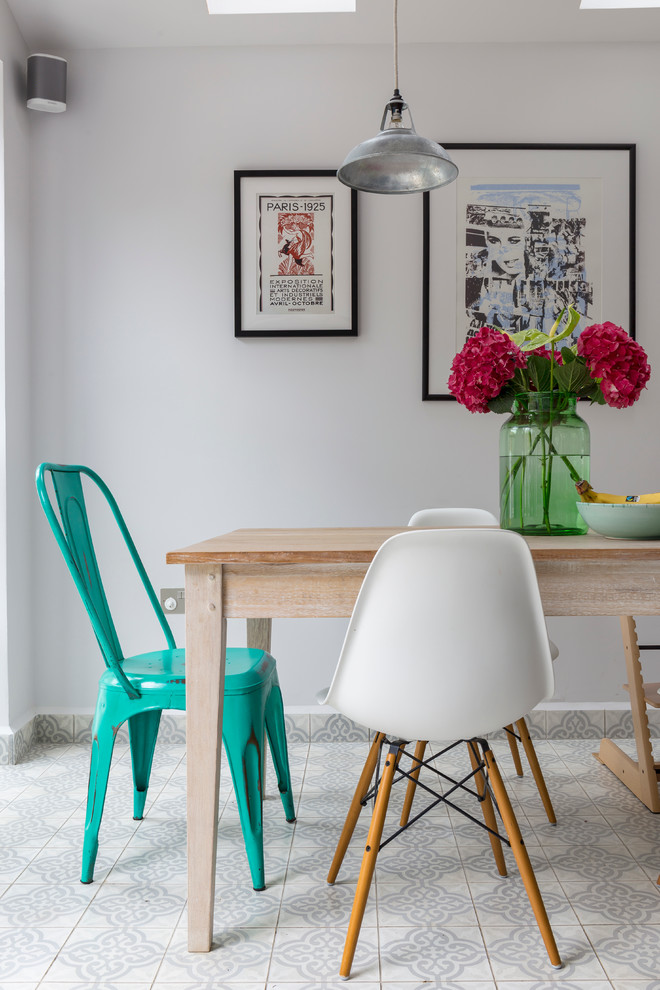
(261, 574)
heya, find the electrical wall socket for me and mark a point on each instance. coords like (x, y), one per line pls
(173, 600)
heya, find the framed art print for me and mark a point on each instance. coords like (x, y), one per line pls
(295, 254)
(524, 231)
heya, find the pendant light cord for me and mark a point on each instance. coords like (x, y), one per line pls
(396, 47)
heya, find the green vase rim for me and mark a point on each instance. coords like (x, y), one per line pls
(544, 401)
(554, 391)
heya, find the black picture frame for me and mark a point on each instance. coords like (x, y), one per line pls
(613, 164)
(271, 303)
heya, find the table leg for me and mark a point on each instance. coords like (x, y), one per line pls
(259, 634)
(638, 775)
(205, 673)
(258, 638)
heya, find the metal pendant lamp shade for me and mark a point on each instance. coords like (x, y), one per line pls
(397, 159)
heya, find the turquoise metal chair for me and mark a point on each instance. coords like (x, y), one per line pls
(138, 688)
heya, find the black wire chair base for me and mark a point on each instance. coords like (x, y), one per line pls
(398, 746)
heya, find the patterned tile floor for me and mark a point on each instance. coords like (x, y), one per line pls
(438, 914)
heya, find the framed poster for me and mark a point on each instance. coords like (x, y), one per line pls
(295, 255)
(525, 230)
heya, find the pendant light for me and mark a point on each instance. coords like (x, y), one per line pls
(397, 160)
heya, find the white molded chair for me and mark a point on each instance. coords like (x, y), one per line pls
(447, 641)
(465, 516)
(451, 516)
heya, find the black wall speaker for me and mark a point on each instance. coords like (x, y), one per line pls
(46, 83)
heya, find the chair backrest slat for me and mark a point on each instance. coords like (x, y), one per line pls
(76, 532)
(70, 526)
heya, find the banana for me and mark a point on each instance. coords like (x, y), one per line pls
(587, 494)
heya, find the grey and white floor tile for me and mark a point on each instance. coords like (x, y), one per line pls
(138, 905)
(322, 905)
(627, 951)
(313, 954)
(443, 954)
(239, 954)
(505, 902)
(602, 901)
(425, 903)
(519, 953)
(44, 905)
(111, 954)
(438, 917)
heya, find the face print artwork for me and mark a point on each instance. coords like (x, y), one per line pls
(527, 248)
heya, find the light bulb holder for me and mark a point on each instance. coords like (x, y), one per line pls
(396, 106)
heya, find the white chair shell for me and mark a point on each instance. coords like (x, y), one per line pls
(447, 639)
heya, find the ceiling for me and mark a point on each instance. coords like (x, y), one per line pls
(64, 25)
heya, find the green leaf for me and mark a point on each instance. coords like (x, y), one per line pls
(520, 380)
(573, 377)
(503, 402)
(595, 394)
(555, 326)
(568, 354)
(539, 371)
(528, 339)
(538, 340)
(573, 320)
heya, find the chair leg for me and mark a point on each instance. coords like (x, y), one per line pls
(142, 734)
(537, 773)
(276, 731)
(245, 763)
(369, 861)
(103, 742)
(522, 858)
(361, 792)
(488, 812)
(513, 746)
(412, 783)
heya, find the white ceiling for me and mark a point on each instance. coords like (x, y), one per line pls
(65, 25)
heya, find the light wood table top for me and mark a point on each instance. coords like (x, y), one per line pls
(358, 544)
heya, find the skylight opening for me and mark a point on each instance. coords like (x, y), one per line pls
(616, 4)
(281, 6)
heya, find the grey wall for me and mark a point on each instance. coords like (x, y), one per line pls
(16, 602)
(135, 368)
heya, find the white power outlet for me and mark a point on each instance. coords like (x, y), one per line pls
(173, 600)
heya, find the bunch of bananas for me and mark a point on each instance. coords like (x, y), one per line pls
(587, 494)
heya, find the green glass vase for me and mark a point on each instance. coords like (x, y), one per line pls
(544, 452)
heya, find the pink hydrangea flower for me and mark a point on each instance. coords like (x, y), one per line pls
(546, 353)
(483, 367)
(618, 360)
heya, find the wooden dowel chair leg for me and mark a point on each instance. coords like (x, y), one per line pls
(522, 858)
(412, 783)
(369, 861)
(513, 746)
(361, 792)
(488, 812)
(537, 773)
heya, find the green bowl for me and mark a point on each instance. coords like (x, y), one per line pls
(622, 520)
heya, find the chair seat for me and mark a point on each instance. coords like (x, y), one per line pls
(246, 670)
(150, 672)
